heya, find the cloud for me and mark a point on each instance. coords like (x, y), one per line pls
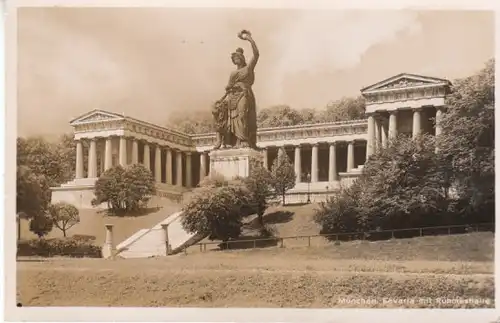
(329, 40)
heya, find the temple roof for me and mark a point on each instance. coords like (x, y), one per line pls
(406, 80)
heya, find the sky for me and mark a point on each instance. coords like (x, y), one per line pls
(151, 63)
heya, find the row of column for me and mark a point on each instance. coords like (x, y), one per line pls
(378, 135)
(332, 161)
(122, 160)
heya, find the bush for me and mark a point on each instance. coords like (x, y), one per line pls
(58, 247)
(401, 187)
(124, 189)
(217, 208)
(41, 225)
(341, 213)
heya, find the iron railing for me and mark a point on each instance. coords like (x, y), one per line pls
(346, 236)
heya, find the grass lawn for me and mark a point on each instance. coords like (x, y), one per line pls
(92, 222)
(443, 271)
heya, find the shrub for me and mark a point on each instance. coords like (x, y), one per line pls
(341, 213)
(216, 209)
(124, 189)
(401, 187)
(41, 225)
(58, 247)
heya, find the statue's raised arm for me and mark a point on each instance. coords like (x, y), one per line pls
(246, 35)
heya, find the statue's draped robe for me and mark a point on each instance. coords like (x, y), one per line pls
(242, 116)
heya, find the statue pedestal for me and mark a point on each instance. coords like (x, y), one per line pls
(233, 162)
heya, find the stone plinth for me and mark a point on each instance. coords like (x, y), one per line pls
(108, 249)
(233, 162)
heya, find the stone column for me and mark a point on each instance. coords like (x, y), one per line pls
(123, 152)
(298, 165)
(265, 159)
(350, 156)
(102, 151)
(417, 122)
(158, 164)
(146, 158)
(370, 145)
(178, 175)
(135, 151)
(383, 134)
(108, 157)
(439, 117)
(189, 171)
(377, 134)
(168, 166)
(203, 165)
(332, 163)
(109, 247)
(314, 163)
(168, 248)
(393, 125)
(79, 160)
(92, 170)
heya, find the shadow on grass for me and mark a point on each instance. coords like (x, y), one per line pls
(130, 214)
(249, 242)
(278, 217)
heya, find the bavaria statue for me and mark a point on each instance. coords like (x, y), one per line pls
(235, 114)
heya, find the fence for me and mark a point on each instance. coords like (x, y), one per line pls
(326, 239)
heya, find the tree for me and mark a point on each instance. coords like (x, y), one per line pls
(32, 193)
(124, 189)
(42, 158)
(279, 116)
(64, 216)
(41, 225)
(283, 174)
(196, 122)
(467, 142)
(260, 185)
(216, 209)
(345, 109)
(402, 186)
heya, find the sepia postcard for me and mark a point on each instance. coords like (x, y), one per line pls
(216, 161)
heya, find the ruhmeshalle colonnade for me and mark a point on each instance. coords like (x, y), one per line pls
(325, 155)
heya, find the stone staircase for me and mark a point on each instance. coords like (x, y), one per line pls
(147, 243)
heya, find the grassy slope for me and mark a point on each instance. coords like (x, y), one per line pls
(92, 222)
(292, 220)
(430, 267)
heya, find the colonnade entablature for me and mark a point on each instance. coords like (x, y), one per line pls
(306, 134)
(100, 124)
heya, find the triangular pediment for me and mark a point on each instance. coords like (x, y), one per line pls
(96, 115)
(405, 80)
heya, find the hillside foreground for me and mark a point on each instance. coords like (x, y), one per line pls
(442, 271)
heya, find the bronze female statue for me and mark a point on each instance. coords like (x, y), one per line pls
(235, 113)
